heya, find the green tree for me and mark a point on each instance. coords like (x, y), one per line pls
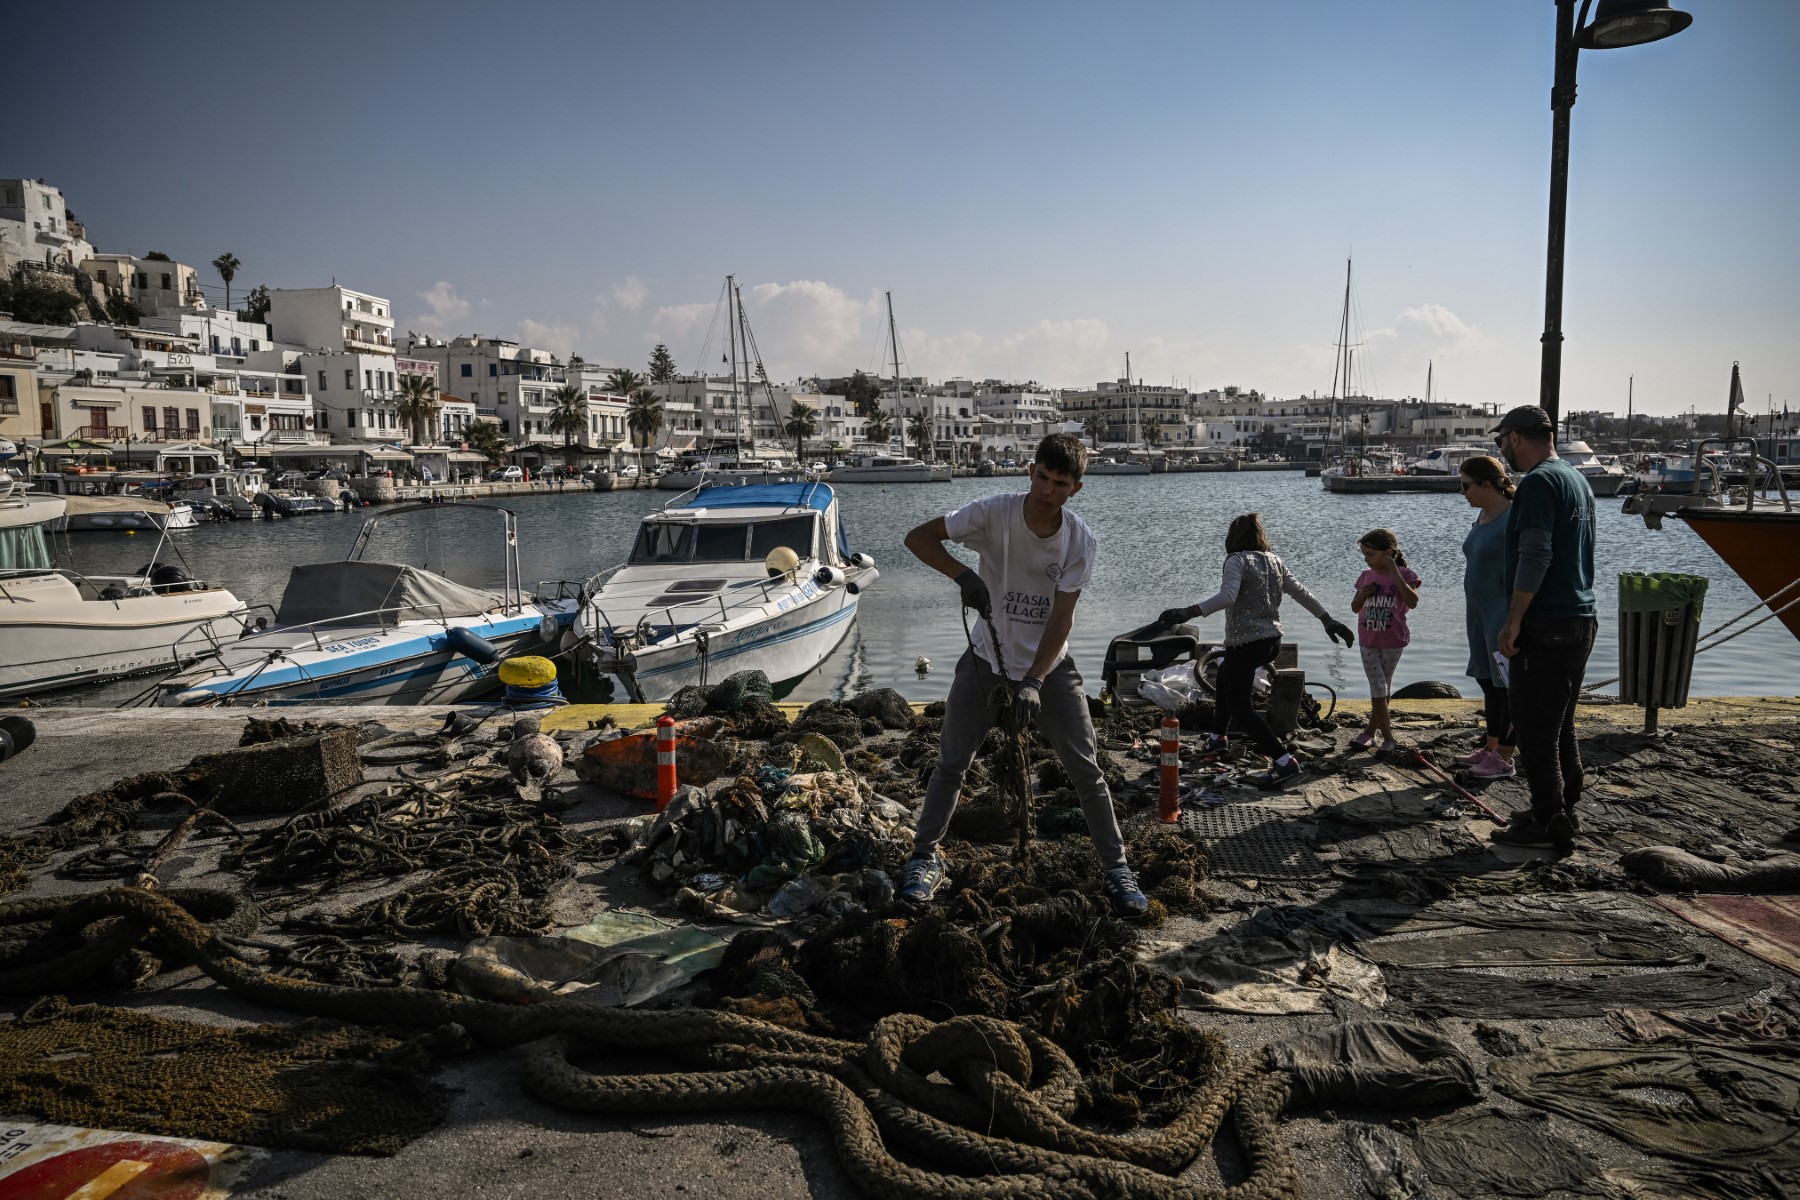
(643, 415)
(623, 381)
(662, 365)
(484, 437)
(1153, 432)
(918, 428)
(863, 394)
(417, 405)
(256, 304)
(802, 423)
(880, 429)
(1094, 425)
(120, 310)
(156, 256)
(571, 415)
(227, 265)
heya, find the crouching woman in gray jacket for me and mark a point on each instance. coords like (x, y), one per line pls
(1250, 596)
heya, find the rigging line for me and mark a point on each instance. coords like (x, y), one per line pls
(711, 331)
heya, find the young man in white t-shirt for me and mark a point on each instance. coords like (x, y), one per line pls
(1035, 559)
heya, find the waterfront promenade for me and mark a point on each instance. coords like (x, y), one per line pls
(499, 1141)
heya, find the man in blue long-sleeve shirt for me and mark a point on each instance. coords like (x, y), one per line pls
(1550, 623)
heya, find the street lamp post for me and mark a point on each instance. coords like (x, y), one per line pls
(1617, 23)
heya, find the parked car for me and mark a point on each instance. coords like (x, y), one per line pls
(505, 475)
(627, 472)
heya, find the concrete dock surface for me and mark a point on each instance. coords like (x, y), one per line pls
(499, 1141)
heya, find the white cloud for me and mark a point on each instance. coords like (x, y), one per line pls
(809, 325)
(443, 308)
(1069, 353)
(631, 294)
(548, 335)
(1440, 321)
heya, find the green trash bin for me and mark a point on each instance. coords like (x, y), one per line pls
(1659, 627)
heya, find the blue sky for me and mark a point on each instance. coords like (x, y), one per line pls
(1044, 187)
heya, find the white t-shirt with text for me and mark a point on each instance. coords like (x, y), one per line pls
(1023, 573)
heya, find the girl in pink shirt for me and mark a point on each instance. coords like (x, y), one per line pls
(1385, 593)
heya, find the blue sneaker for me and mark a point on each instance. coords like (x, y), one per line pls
(922, 877)
(1128, 899)
(1277, 774)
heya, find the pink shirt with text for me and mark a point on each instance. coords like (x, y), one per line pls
(1382, 621)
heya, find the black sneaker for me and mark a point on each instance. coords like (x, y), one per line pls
(1277, 774)
(1525, 830)
(1561, 831)
(1128, 899)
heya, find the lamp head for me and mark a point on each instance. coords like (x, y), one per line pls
(1630, 23)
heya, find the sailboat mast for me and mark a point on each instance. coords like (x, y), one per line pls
(1341, 361)
(1136, 425)
(899, 392)
(749, 393)
(737, 428)
(1630, 389)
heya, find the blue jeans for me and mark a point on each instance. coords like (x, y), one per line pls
(1546, 678)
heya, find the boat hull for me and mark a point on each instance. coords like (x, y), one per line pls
(125, 522)
(1104, 467)
(104, 639)
(1761, 545)
(912, 473)
(1606, 486)
(785, 648)
(1362, 485)
(408, 664)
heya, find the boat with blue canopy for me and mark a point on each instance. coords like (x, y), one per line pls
(721, 580)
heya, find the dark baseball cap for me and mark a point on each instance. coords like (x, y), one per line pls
(1527, 418)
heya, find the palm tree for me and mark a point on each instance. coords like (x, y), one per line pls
(643, 415)
(1095, 427)
(418, 404)
(624, 382)
(880, 429)
(1153, 432)
(801, 424)
(484, 437)
(918, 428)
(570, 416)
(226, 265)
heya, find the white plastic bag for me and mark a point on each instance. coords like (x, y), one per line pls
(1171, 687)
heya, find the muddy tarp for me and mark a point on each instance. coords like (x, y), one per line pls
(1287, 960)
(1374, 1064)
(1677, 870)
(1737, 1105)
(1481, 1152)
(1531, 931)
(1463, 993)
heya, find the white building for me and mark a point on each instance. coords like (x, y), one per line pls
(36, 227)
(331, 318)
(1129, 408)
(156, 285)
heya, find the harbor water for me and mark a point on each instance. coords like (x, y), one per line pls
(1161, 541)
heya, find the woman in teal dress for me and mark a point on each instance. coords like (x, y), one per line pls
(1488, 490)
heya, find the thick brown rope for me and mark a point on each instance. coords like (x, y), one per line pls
(1010, 1130)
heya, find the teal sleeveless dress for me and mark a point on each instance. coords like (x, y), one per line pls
(1484, 593)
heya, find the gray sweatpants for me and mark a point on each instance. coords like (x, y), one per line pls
(1065, 724)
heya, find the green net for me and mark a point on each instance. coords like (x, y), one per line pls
(1661, 591)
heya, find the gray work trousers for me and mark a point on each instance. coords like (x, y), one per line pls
(1065, 724)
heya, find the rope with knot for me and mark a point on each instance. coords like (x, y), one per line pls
(1000, 1129)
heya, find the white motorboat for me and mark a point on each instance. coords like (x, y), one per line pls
(60, 629)
(217, 495)
(1117, 466)
(113, 514)
(731, 579)
(1447, 460)
(1603, 472)
(380, 633)
(888, 468)
(728, 473)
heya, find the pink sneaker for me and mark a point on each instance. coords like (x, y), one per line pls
(1472, 757)
(1492, 766)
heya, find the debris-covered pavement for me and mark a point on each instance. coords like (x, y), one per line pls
(469, 946)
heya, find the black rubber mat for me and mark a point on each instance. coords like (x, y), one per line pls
(1253, 841)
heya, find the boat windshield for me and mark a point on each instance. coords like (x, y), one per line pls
(23, 548)
(710, 542)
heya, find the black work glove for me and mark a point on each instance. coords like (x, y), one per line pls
(1176, 616)
(975, 592)
(1028, 701)
(1339, 632)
